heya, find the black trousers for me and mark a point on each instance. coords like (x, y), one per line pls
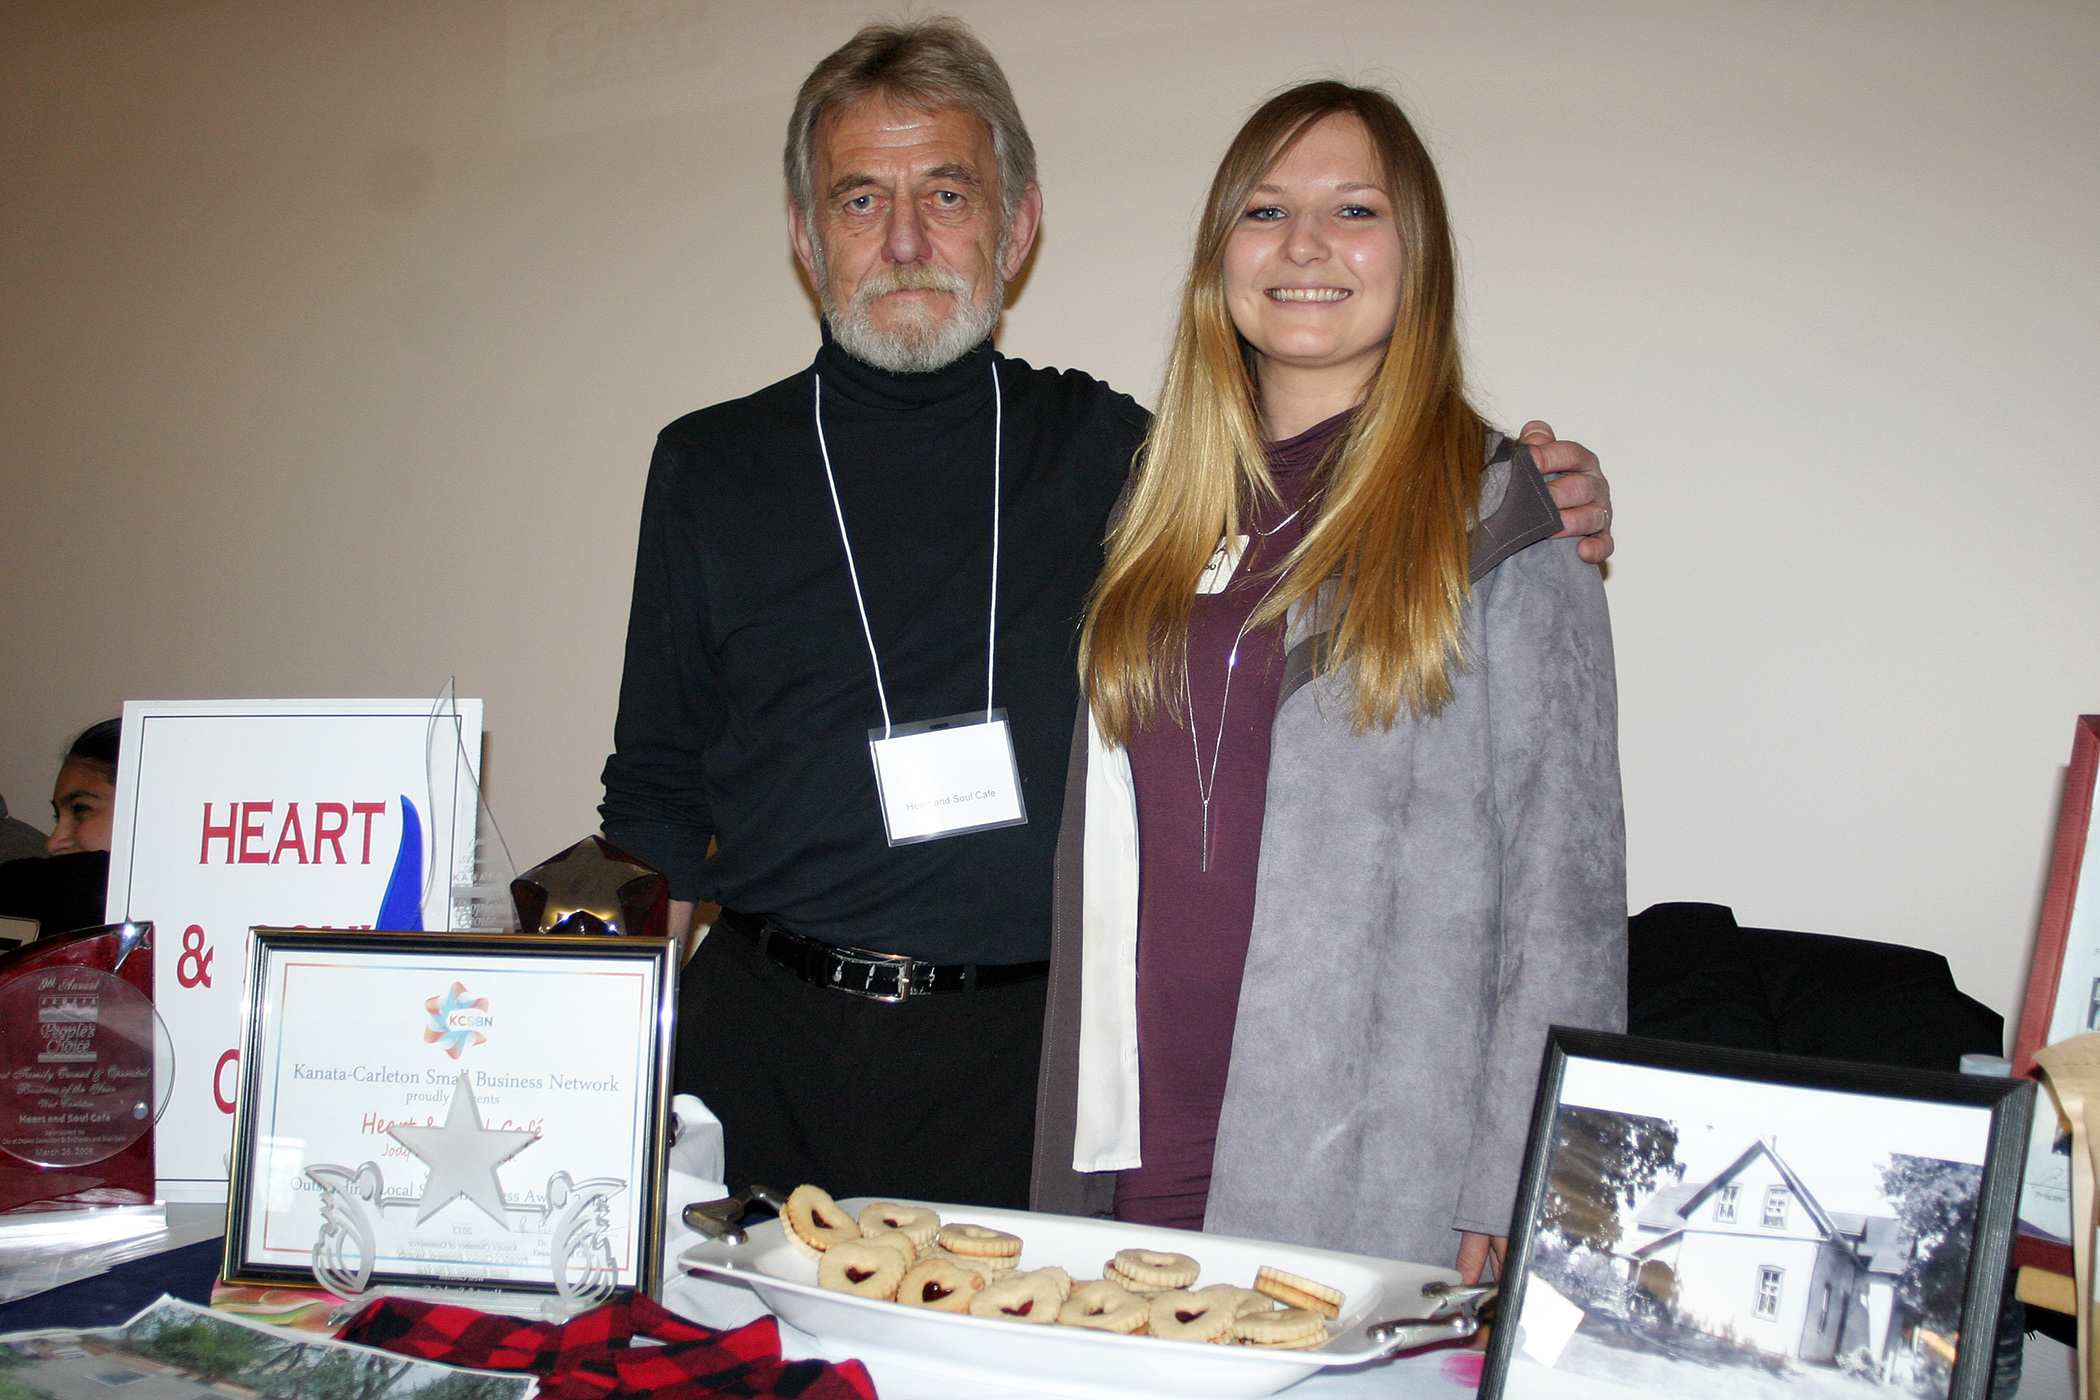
(931, 1098)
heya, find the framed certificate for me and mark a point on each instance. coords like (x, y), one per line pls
(452, 1110)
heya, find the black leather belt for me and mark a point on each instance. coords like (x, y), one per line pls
(876, 976)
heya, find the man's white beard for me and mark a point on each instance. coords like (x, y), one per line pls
(922, 340)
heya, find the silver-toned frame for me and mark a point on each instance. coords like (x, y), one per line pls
(344, 1255)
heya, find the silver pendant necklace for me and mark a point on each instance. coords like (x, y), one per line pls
(1207, 782)
(1278, 525)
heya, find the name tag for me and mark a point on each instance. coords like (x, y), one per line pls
(945, 777)
(1217, 575)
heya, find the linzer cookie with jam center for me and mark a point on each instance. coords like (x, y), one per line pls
(939, 1285)
(981, 1242)
(815, 1222)
(1151, 1270)
(863, 1269)
(915, 1221)
(1106, 1307)
(1292, 1329)
(1033, 1297)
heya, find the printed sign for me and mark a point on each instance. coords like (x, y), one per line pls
(308, 813)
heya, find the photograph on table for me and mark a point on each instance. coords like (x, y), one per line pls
(1746, 1226)
(176, 1350)
(2063, 1000)
(460, 1110)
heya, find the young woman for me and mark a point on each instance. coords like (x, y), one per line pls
(1351, 832)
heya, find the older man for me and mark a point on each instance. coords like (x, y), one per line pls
(849, 687)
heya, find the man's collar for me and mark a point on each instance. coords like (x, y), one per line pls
(861, 383)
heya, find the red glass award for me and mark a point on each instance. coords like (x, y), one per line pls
(84, 1071)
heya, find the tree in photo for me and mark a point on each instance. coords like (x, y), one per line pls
(299, 1370)
(201, 1346)
(12, 1388)
(462, 1386)
(1935, 1204)
(1601, 1160)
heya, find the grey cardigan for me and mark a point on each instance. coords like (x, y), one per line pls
(1431, 898)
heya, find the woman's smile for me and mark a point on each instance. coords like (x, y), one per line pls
(1313, 273)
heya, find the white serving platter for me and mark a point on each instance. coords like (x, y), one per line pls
(1075, 1360)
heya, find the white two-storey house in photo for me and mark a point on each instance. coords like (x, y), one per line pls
(1751, 1255)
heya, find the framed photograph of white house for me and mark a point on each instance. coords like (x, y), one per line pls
(1738, 1225)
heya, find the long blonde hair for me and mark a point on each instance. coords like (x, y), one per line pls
(1385, 559)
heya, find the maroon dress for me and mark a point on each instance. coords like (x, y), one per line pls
(1193, 922)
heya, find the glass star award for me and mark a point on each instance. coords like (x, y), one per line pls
(461, 1158)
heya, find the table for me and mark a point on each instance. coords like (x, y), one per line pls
(184, 1263)
(186, 1270)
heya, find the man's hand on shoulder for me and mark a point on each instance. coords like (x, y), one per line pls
(1581, 492)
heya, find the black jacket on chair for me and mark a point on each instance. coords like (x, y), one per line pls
(1693, 975)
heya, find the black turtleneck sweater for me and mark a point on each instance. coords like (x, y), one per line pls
(747, 698)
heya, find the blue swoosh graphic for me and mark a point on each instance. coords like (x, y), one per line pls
(401, 907)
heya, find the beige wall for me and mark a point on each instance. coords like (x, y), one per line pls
(335, 336)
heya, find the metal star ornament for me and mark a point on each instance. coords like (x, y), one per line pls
(595, 889)
(463, 1157)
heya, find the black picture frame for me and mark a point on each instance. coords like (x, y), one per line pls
(1647, 1337)
(449, 955)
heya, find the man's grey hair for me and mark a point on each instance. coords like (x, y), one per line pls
(923, 64)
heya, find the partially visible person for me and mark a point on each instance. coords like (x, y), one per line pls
(66, 891)
(84, 799)
(18, 839)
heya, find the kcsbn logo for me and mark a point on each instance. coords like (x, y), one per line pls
(456, 1022)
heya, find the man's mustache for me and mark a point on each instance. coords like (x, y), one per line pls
(916, 278)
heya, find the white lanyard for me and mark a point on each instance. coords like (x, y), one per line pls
(947, 776)
(991, 643)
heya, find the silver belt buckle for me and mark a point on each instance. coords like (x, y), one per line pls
(901, 967)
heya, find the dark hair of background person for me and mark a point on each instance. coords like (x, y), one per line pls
(97, 744)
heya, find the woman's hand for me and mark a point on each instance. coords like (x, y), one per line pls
(1581, 492)
(1473, 1251)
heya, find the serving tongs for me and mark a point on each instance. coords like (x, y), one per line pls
(1461, 1310)
(724, 1219)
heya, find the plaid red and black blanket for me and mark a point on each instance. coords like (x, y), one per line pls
(595, 1356)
